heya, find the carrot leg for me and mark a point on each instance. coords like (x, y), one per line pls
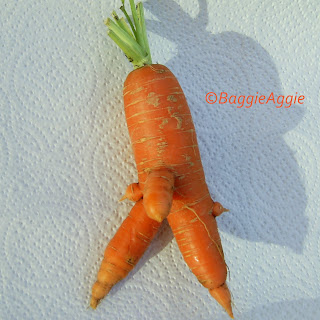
(197, 236)
(124, 251)
(157, 193)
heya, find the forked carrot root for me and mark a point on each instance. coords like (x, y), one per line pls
(171, 182)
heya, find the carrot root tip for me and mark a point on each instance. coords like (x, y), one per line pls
(223, 296)
(94, 303)
(123, 198)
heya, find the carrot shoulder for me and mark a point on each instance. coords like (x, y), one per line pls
(171, 177)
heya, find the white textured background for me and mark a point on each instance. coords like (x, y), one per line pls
(65, 157)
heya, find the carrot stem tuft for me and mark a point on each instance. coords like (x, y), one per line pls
(123, 198)
(134, 44)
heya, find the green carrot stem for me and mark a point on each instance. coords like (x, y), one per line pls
(142, 21)
(126, 38)
(136, 23)
(134, 44)
(125, 26)
(130, 54)
(121, 23)
(123, 9)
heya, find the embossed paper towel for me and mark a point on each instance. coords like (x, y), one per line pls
(65, 157)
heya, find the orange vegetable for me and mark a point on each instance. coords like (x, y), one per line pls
(171, 178)
(124, 251)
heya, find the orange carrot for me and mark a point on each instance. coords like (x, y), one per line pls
(124, 251)
(171, 177)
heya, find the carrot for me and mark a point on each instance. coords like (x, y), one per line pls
(124, 251)
(171, 177)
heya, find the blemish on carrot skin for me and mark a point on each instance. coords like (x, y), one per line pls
(179, 120)
(165, 178)
(162, 144)
(150, 81)
(163, 123)
(145, 112)
(194, 220)
(157, 70)
(161, 147)
(142, 234)
(143, 239)
(153, 99)
(142, 140)
(144, 121)
(172, 98)
(135, 91)
(130, 261)
(176, 115)
(134, 103)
